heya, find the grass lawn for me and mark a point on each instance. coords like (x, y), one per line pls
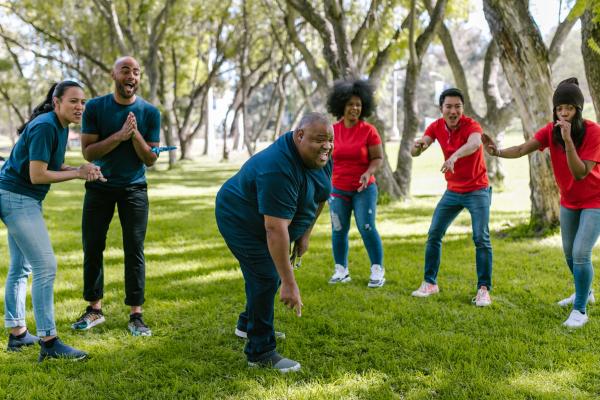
(353, 342)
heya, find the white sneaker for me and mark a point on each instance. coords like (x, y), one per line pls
(571, 299)
(244, 335)
(482, 299)
(377, 278)
(341, 274)
(426, 289)
(576, 320)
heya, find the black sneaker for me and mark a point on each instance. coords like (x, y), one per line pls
(15, 343)
(137, 327)
(90, 318)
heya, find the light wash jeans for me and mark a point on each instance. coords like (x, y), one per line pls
(579, 230)
(451, 204)
(364, 204)
(30, 252)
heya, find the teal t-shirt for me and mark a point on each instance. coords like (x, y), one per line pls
(273, 182)
(103, 116)
(44, 139)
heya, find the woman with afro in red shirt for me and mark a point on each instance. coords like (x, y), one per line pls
(574, 145)
(357, 154)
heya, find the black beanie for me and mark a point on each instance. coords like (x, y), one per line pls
(568, 92)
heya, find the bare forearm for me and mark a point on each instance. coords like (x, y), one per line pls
(47, 177)
(576, 165)
(374, 165)
(465, 150)
(278, 241)
(97, 150)
(143, 150)
(512, 152)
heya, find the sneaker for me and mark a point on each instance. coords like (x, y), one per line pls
(57, 349)
(137, 327)
(482, 299)
(340, 275)
(571, 299)
(576, 319)
(426, 289)
(90, 318)
(15, 343)
(377, 278)
(243, 335)
(276, 362)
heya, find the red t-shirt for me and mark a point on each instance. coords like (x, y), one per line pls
(574, 194)
(470, 173)
(351, 153)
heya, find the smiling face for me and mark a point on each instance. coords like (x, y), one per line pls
(126, 74)
(315, 144)
(352, 110)
(565, 112)
(452, 110)
(69, 107)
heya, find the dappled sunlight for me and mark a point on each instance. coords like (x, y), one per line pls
(221, 275)
(348, 386)
(548, 382)
(181, 191)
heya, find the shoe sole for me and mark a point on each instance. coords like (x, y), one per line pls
(90, 326)
(295, 368)
(483, 304)
(422, 295)
(135, 333)
(343, 280)
(16, 349)
(377, 284)
(41, 358)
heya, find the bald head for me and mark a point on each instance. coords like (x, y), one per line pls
(313, 138)
(126, 74)
(125, 60)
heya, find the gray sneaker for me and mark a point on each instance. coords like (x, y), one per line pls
(137, 327)
(276, 362)
(90, 318)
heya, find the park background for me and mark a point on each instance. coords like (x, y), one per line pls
(231, 76)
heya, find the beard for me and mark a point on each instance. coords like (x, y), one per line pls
(123, 90)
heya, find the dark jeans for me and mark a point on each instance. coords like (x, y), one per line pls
(452, 203)
(98, 210)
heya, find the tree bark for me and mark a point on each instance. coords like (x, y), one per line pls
(590, 34)
(525, 60)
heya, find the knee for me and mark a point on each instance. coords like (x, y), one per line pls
(482, 240)
(581, 256)
(336, 223)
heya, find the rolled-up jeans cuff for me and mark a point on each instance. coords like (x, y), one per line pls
(13, 323)
(48, 332)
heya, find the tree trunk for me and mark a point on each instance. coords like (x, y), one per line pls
(525, 60)
(384, 175)
(403, 171)
(590, 33)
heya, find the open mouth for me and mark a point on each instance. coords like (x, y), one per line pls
(324, 156)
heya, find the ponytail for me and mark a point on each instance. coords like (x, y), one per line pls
(56, 90)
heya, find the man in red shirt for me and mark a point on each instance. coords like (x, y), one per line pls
(468, 187)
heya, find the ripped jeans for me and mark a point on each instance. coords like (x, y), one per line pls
(364, 204)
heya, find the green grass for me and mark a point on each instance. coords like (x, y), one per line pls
(353, 342)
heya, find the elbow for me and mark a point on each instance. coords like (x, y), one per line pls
(36, 179)
(87, 156)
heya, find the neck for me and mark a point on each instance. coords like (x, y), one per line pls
(349, 124)
(122, 100)
(63, 121)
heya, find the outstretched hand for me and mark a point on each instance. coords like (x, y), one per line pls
(489, 145)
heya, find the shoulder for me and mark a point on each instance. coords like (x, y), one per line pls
(42, 122)
(147, 106)
(98, 100)
(436, 125)
(591, 126)
(367, 127)
(471, 124)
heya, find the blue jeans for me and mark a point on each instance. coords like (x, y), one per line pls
(451, 204)
(580, 230)
(364, 204)
(30, 252)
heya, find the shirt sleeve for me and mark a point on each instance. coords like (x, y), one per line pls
(88, 121)
(41, 143)
(590, 148)
(373, 137)
(277, 195)
(544, 136)
(475, 128)
(153, 129)
(430, 131)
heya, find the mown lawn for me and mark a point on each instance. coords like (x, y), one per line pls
(353, 342)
